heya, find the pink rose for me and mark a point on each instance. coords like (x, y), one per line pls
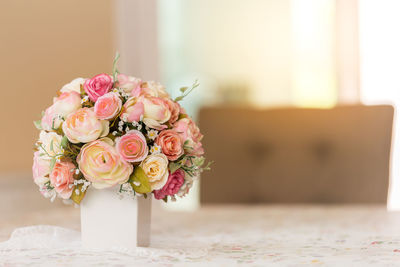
(174, 108)
(63, 105)
(129, 84)
(132, 146)
(190, 133)
(174, 183)
(133, 109)
(171, 144)
(40, 169)
(61, 177)
(156, 112)
(107, 106)
(98, 86)
(101, 164)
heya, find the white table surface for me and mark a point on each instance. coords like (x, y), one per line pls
(273, 235)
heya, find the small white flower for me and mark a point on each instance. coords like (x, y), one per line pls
(120, 128)
(120, 123)
(115, 90)
(114, 133)
(156, 149)
(85, 99)
(152, 134)
(77, 192)
(77, 171)
(135, 123)
(139, 127)
(125, 117)
(126, 129)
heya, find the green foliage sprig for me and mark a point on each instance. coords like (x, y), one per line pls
(187, 90)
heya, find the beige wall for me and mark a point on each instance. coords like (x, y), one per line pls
(43, 45)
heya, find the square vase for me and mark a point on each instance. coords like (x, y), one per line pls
(107, 221)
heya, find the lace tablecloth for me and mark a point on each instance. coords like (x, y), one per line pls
(230, 236)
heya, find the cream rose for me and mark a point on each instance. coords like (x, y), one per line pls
(101, 164)
(156, 168)
(73, 86)
(50, 144)
(156, 112)
(154, 89)
(82, 126)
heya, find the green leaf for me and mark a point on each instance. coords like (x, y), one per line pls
(52, 163)
(38, 124)
(199, 161)
(115, 69)
(52, 145)
(173, 166)
(139, 176)
(183, 89)
(82, 89)
(179, 98)
(64, 142)
(165, 199)
(78, 198)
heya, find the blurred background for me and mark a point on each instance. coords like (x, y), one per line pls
(259, 54)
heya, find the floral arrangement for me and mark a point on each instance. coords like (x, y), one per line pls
(117, 131)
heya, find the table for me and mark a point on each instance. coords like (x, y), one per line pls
(232, 235)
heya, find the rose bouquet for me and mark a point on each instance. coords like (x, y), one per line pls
(117, 130)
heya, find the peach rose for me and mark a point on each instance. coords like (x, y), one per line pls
(156, 168)
(101, 164)
(174, 183)
(82, 126)
(107, 106)
(74, 85)
(156, 112)
(174, 108)
(61, 177)
(190, 133)
(129, 84)
(132, 146)
(98, 86)
(153, 89)
(40, 169)
(171, 144)
(132, 110)
(63, 105)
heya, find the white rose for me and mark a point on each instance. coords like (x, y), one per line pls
(74, 85)
(156, 168)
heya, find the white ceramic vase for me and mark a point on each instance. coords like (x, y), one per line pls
(108, 221)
